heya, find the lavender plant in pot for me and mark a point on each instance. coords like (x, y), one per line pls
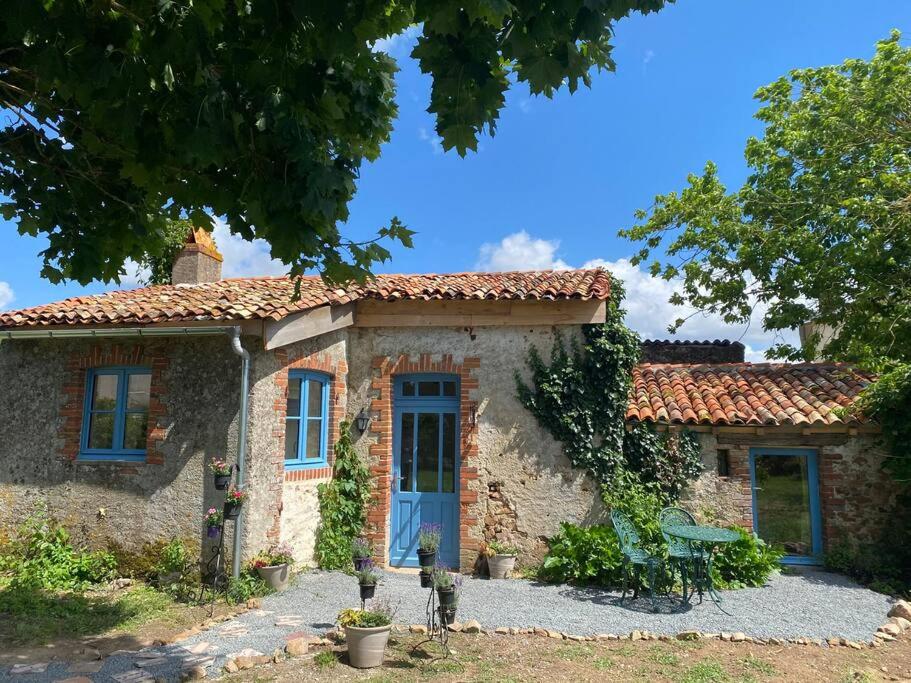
(444, 584)
(366, 632)
(501, 559)
(274, 566)
(221, 471)
(429, 537)
(367, 578)
(361, 553)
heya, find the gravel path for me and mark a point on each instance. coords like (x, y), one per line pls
(809, 603)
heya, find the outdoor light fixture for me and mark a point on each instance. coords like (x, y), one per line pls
(362, 420)
(473, 415)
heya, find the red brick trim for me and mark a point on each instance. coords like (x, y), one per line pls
(384, 368)
(99, 356)
(338, 373)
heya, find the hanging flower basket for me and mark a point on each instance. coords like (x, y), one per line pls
(213, 520)
(221, 471)
(233, 502)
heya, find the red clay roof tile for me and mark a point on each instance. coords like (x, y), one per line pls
(270, 298)
(745, 393)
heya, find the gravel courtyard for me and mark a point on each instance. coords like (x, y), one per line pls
(807, 603)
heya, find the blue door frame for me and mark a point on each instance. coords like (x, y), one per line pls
(813, 490)
(411, 507)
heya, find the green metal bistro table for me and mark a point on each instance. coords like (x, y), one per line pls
(707, 538)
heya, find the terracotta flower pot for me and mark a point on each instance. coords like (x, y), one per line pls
(366, 646)
(499, 566)
(277, 576)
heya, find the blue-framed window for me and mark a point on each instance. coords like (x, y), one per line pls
(307, 421)
(115, 418)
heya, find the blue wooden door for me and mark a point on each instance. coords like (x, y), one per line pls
(425, 473)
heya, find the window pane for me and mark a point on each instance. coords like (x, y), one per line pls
(101, 430)
(138, 391)
(294, 397)
(783, 502)
(314, 437)
(134, 431)
(428, 451)
(292, 436)
(407, 388)
(407, 452)
(448, 453)
(104, 396)
(428, 388)
(315, 398)
(449, 389)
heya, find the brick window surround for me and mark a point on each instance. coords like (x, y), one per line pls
(337, 372)
(378, 519)
(152, 356)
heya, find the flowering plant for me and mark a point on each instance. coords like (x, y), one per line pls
(213, 517)
(236, 496)
(361, 548)
(220, 467)
(429, 536)
(277, 554)
(442, 579)
(368, 575)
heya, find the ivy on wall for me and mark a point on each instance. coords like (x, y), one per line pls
(581, 396)
(342, 505)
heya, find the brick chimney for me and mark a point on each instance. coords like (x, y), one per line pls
(198, 261)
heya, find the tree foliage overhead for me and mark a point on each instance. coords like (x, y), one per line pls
(122, 114)
(821, 229)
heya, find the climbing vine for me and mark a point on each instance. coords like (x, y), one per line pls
(342, 505)
(888, 401)
(580, 397)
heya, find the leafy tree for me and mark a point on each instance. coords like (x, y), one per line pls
(159, 264)
(821, 229)
(120, 115)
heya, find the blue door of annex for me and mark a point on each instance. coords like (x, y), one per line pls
(425, 480)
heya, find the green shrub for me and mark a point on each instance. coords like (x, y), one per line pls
(173, 558)
(40, 555)
(748, 562)
(247, 585)
(583, 555)
(342, 505)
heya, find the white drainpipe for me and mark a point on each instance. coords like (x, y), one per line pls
(232, 330)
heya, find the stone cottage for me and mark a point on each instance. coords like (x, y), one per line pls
(112, 405)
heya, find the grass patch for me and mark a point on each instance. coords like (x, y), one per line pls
(706, 671)
(37, 617)
(325, 660)
(753, 663)
(664, 658)
(603, 663)
(573, 653)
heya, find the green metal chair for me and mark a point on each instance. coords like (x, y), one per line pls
(680, 552)
(634, 555)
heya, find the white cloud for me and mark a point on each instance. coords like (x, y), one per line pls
(520, 251)
(395, 45)
(135, 275)
(6, 295)
(648, 310)
(434, 140)
(243, 258)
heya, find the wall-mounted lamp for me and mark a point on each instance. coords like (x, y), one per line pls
(362, 420)
(472, 415)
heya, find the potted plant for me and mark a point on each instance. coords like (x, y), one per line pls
(444, 583)
(501, 559)
(366, 632)
(367, 578)
(448, 613)
(233, 502)
(222, 473)
(429, 537)
(426, 577)
(361, 553)
(213, 521)
(274, 566)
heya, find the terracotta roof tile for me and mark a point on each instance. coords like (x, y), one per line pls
(270, 297)
(744, 393)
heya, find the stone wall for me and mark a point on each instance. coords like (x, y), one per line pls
(510, 454)
(665, 351)
(856, 495)
(197, 389)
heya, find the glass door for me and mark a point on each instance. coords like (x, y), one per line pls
(786, 501)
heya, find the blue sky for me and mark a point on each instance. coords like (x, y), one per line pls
(563, 175)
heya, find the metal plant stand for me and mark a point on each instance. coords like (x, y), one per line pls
(215, 572)
(437, 628)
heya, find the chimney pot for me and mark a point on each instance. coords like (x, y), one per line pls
(198, 261)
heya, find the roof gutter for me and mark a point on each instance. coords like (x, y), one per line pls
(233, 331)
